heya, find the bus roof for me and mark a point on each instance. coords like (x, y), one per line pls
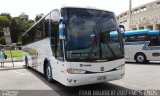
(88, 7)
(154, 32)
(113, 34)
(136, 32)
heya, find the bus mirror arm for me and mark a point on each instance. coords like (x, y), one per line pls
(61, 29)
(122, 28)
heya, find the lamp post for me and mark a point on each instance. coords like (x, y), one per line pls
(130, 13)
(11, 55)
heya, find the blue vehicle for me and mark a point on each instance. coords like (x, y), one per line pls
(154, 34)
(142, 45)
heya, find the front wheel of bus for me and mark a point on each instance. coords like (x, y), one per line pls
(140, 58)
(48, 73)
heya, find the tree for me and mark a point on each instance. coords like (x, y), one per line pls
(4, 21)
(13, 30)
(39, 16)
(2, 41)
(7, 15)
(23, 16)
(18, 27)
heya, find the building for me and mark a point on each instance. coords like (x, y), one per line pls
(23, 16)
(146, 16)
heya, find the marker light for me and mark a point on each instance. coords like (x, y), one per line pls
(120, 67)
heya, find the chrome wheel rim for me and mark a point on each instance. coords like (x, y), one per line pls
(48, 72)
(140, 58)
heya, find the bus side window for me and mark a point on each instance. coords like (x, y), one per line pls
(54, 29)
(154, 41)
(55, 35)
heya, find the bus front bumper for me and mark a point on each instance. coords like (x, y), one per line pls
(85, 79)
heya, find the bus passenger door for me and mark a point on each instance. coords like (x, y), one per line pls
(57, 56)
(154, 48)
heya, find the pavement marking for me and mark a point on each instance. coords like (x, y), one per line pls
(18, 72)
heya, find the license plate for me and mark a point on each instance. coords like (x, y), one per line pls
(101, 78)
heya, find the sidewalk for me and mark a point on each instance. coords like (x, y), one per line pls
(14, 59)
(9, 65)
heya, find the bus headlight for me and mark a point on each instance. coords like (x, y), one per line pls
(120, 67)
(75, 71)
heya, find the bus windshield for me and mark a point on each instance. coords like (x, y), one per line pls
(88, 35)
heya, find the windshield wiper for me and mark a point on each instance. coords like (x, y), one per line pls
(105, 40)
(109, 47)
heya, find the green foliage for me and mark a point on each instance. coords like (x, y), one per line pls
(17, 27)
(2, 41)
(7, 15)
(13, 30)
(4, 22)
(15, 53)
(39, 16)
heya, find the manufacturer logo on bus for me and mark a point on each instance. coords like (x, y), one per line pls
(102, 68)
(84, 65)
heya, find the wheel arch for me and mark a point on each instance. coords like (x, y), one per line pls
(47, 62)
(139, 53)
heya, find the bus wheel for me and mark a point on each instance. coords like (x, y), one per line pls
(26, 62)
(48, 73)
(140, 58)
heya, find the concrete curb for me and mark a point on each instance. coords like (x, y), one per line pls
(9, 66)
(14, 60)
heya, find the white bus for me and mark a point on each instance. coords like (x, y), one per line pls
(73, 46)
(142, 45)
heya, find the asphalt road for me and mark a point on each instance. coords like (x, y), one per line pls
(139, 80)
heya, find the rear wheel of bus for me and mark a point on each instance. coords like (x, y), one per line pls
(140, 58)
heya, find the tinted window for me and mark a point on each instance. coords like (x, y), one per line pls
(57, 50)
(136, 37)
(47, 27)
(39, 31)
(28, 37)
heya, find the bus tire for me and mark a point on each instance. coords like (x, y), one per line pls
(48, 73)
(26, 63)
(140, 58)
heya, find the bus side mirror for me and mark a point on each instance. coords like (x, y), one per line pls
(122, 28)
(61, 29)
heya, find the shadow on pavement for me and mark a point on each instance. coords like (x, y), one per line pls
(148, 63)
(99, 89)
